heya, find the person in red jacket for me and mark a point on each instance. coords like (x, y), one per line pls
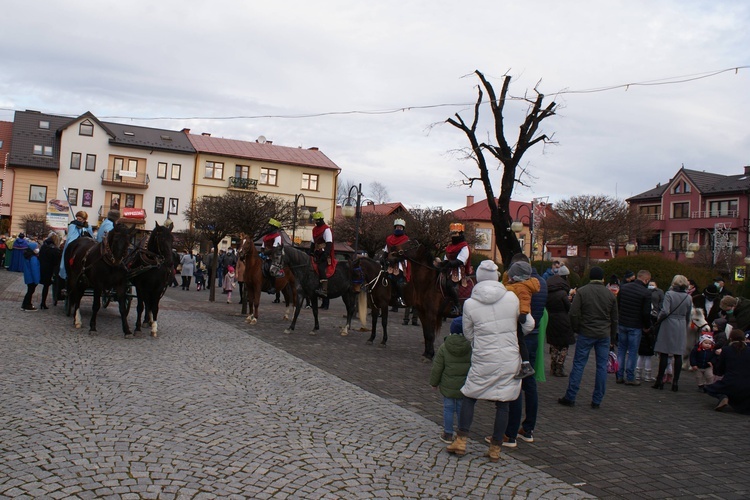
(322, 247)
(272, 249)
(457, 256)
(397, 270)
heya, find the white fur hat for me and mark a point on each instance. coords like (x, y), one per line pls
(487, 271)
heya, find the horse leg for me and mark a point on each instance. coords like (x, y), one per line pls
(139, 311)
(74, 301)
(153, 312)
(314, 307)
(123, 311)
(287, 293)
(374, 311)
(384, 315)
(297, 307)
(95, 309)
(250, 293)
(429, 328)
(348, 298)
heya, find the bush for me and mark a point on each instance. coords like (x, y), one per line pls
(662, 270)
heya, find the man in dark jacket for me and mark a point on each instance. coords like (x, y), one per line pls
(593, 314)
(634, 313)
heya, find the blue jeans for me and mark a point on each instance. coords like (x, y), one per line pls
(628, 340)
(583, 348)
(528, 393)
(501, 417)
(451, 406)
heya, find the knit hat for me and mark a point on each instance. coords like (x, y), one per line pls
(596, 273)
(563, 271)
(487, 271)
(628, 274)
(230, 269)
(720, 324)
(710, 338)
(457, 325)
(519, 271)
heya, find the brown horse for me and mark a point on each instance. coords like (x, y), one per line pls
(424, 292)
(377, 285)
(254, 283)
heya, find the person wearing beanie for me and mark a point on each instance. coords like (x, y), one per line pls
(720, 331)
(31, 274)
(520, 282)
(449, 369)
(559, 332)
(593, 314)
(108, 224)
(79, 227)
(229, 283)
(701, 360)
(489, 323)
(49, 261)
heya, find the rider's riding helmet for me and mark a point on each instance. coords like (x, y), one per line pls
(274, 223)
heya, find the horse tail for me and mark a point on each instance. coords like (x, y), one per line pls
(362, 306)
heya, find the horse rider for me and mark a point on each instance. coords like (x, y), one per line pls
(79, 227)
(397, 271)
(272, 248)
(322, 247)
(107, 225)
(457, 256)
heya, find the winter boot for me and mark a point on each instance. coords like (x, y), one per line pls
(638, 372)
(647, 377)
(494, 451)
(561, 362)
(458, 446)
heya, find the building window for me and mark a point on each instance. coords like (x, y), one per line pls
(268, 176)
(176, 170)
(38, 149)
(242, 172)
(90, 163)
(724, 208)
(652, 212)
(73, 196)
(75, 161)
(88, 198)
(38, 194)
(44, 124)
(310, 181)
(132, 165)
(159, 205)
(86, 128)
(47, 150)
(130, 200)
(214, 170)
(161, 172)
(681, 210)
(173, 203)
(687, 187)
(679, 242)
(114, 201)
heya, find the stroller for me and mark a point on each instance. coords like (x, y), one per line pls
(200, 278)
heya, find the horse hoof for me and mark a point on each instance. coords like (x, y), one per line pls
(287, 331)
(129, 336)
(344, 333)
(369, 342)
(426, 360)
(381, 345)
(154, 334)
(93, 333)
(286, 317)
(313, 333)
(78, 325)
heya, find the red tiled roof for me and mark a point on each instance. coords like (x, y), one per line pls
(480, 211)
(263, 152)
(378, 209)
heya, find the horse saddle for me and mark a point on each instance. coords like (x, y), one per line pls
(330, 269)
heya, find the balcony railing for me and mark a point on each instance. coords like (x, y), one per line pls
(649, 248)
(654, 216)
(707, 214)
(243, 183)
(116, 177)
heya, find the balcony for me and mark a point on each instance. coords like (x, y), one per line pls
(654, 216)
(125, 178)
(243, 184)
(709, 214)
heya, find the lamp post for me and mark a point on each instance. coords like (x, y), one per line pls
(354, 211)
(517, 226)
(304, 213)
(629, 247)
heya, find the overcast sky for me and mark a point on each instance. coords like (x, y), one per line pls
(194, 63)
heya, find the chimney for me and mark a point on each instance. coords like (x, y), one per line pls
(747, 169)
(206, 134)
(186, 130)
(469, 200)
(314, 148)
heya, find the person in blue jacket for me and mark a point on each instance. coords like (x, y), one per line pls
(107, 225)
(31, 274)
(77, 228)
(19, 247)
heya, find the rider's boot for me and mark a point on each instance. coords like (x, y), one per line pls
(452, 295)
(323, 289)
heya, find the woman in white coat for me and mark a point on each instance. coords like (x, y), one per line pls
(490, 322)
(188, 269)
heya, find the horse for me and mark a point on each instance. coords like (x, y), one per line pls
(254, 283)
(424, 292)
(339, 285)
(377, 286)
(151, 271)
(99, 266)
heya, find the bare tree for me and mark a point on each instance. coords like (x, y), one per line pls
(342, 192)
(377, 192)
(588, 220)
(35, 225)
(373, 229)
(186, 239)
(249, 212)
(509, 156)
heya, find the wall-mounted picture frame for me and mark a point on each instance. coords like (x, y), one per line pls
(88, 198)
(159, 205)
(73, 197)
(38, 194)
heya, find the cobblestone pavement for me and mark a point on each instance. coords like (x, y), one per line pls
(209, 411)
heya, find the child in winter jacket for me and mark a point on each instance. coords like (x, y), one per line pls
(449, 370)
(229, 283)
(31, 274)
(521, 283)
(701, 358)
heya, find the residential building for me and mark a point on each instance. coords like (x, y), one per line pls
(698, 210)
(306, 176)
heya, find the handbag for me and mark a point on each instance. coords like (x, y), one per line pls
(655, 326)
(612, 364)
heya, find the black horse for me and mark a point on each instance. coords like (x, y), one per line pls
(377, 285)
(339, 285)
(151, 271)
(99, 266)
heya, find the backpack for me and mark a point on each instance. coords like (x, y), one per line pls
(612, 365)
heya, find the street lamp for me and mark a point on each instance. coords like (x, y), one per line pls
(629, 247)
(304, 214)
(348, 210)
(517, 226)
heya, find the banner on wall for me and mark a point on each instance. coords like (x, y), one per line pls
(58, 213)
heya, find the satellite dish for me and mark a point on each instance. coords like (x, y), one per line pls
(262, 139)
